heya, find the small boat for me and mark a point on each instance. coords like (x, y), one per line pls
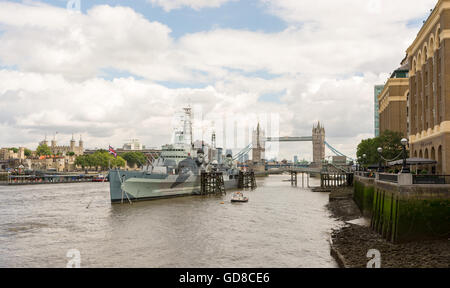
(238, 197)
(100, 178)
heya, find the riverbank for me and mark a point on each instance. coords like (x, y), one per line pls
(351, 242)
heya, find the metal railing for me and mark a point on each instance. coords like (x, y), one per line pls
(4, 177)
(393, 178)
(431, 179)
(365, 174)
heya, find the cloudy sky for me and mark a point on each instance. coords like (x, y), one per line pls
(120, 69)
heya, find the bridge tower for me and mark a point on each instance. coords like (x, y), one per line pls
(318, 135)
(258, 144)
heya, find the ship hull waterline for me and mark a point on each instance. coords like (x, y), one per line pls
(140, 186)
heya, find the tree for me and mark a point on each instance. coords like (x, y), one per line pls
(15, 150)
(43, 150)
(28, 152)
(100, 159)
(390, 142)
(134, 158)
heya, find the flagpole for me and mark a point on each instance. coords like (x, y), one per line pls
(109, 159)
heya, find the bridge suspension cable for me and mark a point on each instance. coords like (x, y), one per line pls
(249, 147)
(336, 152)
(243, 152)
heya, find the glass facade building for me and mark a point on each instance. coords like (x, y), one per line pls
(378, 89)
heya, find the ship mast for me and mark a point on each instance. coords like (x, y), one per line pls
(188, 124)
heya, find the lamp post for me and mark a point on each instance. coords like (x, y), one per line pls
(380, 167)
(364, 161)
(405, 168)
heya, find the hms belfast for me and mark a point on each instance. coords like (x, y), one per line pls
(175, 173)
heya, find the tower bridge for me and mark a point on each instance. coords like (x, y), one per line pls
(318, 142)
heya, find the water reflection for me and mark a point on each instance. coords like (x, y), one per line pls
(281, 226)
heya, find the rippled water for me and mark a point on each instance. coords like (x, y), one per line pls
(281, 226)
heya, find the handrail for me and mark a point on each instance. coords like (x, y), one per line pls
(431, 179)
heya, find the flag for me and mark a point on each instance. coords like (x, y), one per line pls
(112, 151)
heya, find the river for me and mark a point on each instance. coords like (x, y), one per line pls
(281, 226)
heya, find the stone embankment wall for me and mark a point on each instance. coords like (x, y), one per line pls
(404, 213)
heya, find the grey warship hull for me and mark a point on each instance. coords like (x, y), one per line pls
(142, 186)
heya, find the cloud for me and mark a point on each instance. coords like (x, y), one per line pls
(169, 5)
(322, 67)
(79, 45)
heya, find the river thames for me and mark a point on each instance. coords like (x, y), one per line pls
(281, 226)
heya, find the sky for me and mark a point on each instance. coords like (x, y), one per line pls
(117, 70)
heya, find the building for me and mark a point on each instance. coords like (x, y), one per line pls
(243, 158)
(64, 150)
(229, 152)
(378, 89)
(318, 135)
(259, 143)
(392, 101)
(429, 85)
(52, 163)
(9, 154)
(133, 145)
(339, 160)
(5, 153)
(295, 159)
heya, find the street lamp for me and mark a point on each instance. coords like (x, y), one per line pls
(364, 161)
(380, 168)
(405, 168)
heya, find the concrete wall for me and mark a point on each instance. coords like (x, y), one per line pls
(405, 213)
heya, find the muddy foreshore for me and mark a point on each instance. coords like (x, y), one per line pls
(350, 243)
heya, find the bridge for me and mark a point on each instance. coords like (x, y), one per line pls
(289, 139)
(317, 139)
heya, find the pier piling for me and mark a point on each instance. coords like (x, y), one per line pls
(212, 183)
(247, 180)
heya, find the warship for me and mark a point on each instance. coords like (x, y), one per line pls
(175, 173)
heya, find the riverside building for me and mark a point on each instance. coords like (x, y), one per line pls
(392, 101)
(429, 85)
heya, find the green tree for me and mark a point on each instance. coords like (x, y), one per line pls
(134, 158)
(100, 159)
(118, 162)
(82, 161)
(43, 150)
(28, 152)
(15, 150)
(390, 142)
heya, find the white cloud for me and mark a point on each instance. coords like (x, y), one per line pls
(169, 5)
(327, 62)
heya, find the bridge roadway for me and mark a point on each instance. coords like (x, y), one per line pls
(308, 170)
(289, 139)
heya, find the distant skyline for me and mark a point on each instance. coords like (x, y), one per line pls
(120, 69)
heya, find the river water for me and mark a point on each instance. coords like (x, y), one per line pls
(281, 226)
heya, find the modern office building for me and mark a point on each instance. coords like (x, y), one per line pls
(429, 83)
(378, 89)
